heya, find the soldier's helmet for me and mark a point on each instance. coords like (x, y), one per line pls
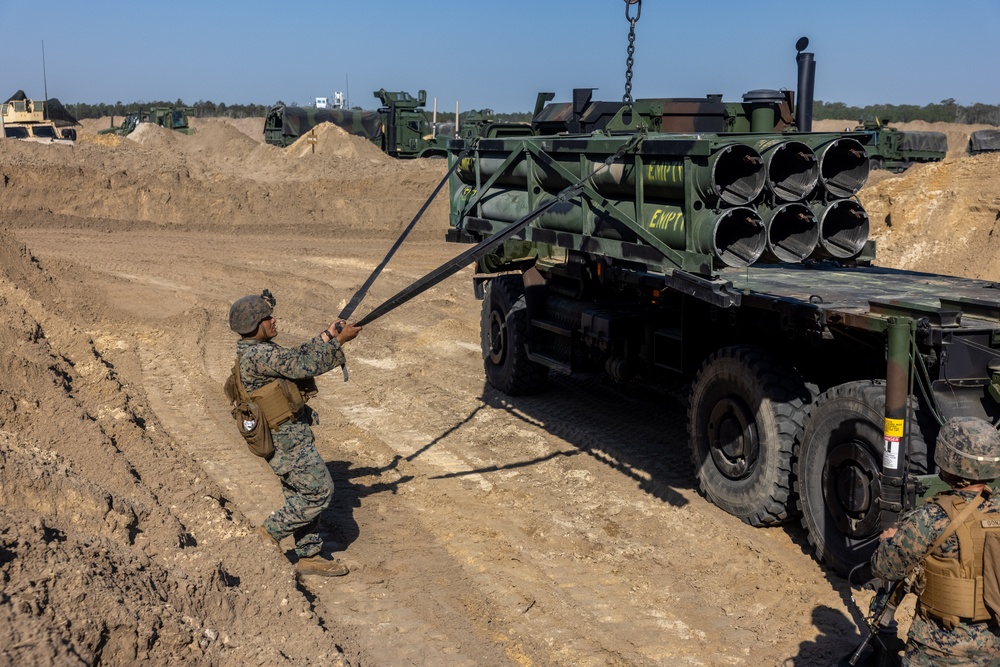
(969, 448)
(246, 313)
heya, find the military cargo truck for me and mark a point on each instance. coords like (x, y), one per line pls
(720, 246)
(284, 125)
(33, 120)
(406, 130)
(399, 127)
(984, 141)
(897, 150)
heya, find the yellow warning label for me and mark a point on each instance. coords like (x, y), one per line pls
(894, 428)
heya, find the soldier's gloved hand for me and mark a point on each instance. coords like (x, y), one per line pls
(343, 331)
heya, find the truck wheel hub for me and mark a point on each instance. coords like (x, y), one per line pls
(850, 487)
(496, 337)
(733, 437)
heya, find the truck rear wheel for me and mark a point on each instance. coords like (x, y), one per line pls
(504, 338)
(839, 462)
(746, 412)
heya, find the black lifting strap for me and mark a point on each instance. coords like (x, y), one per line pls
(363, 290)
(455, 265)
(486, 246)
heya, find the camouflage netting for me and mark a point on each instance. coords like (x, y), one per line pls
(296, 121)
(923, 141)
(982, 141)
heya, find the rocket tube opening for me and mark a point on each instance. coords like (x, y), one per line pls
(739, 237)
(792, 233)
(843, 166)
(792, 170)
(844, 227)
(737, 174)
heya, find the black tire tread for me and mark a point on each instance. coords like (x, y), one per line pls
(786, 391)
(520, 376)
(870, 393)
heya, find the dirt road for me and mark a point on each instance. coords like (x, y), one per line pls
(562, 529)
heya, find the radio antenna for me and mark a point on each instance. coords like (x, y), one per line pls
(45, 84)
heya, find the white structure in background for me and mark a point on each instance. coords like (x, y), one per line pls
(325, 103)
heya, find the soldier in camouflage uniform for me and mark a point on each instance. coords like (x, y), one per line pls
(968, 455)
(305, 480)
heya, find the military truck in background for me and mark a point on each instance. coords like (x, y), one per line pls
(984, 141)
(33, 120)
(720, 246)
(400, 126)
(284, 125)
(171, 118)
(897, 150)
(406, 130)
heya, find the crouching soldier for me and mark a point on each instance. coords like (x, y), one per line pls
(279, 379)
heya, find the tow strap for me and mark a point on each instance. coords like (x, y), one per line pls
(455, 265)
(363, 290)
(474, 253)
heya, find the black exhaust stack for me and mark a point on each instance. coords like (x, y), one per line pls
(807, 79)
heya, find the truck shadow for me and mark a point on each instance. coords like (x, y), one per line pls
(641, 432)
(638, 431)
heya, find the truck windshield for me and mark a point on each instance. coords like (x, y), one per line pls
(46, 131)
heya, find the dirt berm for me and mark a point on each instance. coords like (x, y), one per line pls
(564, 529)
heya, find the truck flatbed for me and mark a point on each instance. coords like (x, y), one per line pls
(836, 292)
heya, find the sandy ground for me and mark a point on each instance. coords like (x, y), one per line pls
(562, 529)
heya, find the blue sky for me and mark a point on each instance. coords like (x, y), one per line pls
(496, 54)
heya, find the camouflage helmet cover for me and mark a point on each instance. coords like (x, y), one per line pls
(246, 313)
(969, 448)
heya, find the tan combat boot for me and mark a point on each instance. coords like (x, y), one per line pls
(323, 567)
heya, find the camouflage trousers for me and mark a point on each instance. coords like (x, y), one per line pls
(307, 486)
(919, 655)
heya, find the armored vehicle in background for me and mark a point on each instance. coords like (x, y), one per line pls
(897, 150)
(720, 246)
(984, 141)
(172, 118)
(32, 120)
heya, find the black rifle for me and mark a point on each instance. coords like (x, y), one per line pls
(883, 611)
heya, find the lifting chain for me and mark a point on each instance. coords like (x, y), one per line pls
(627, 99)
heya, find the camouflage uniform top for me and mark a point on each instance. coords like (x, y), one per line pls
(895, 556)
(263, 361)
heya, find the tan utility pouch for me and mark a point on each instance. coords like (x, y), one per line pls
(249, 417)
(282, 399)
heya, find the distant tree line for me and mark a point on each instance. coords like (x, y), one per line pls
(946, 111)
(202, 109)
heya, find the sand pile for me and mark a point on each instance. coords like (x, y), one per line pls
(114, 549)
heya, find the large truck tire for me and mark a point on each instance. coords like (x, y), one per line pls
(746, 412)
(838, 466)
(504, 338)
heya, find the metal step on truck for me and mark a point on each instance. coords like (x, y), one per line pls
(722, 246)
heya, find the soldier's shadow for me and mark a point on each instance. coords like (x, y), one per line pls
(338, 527)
